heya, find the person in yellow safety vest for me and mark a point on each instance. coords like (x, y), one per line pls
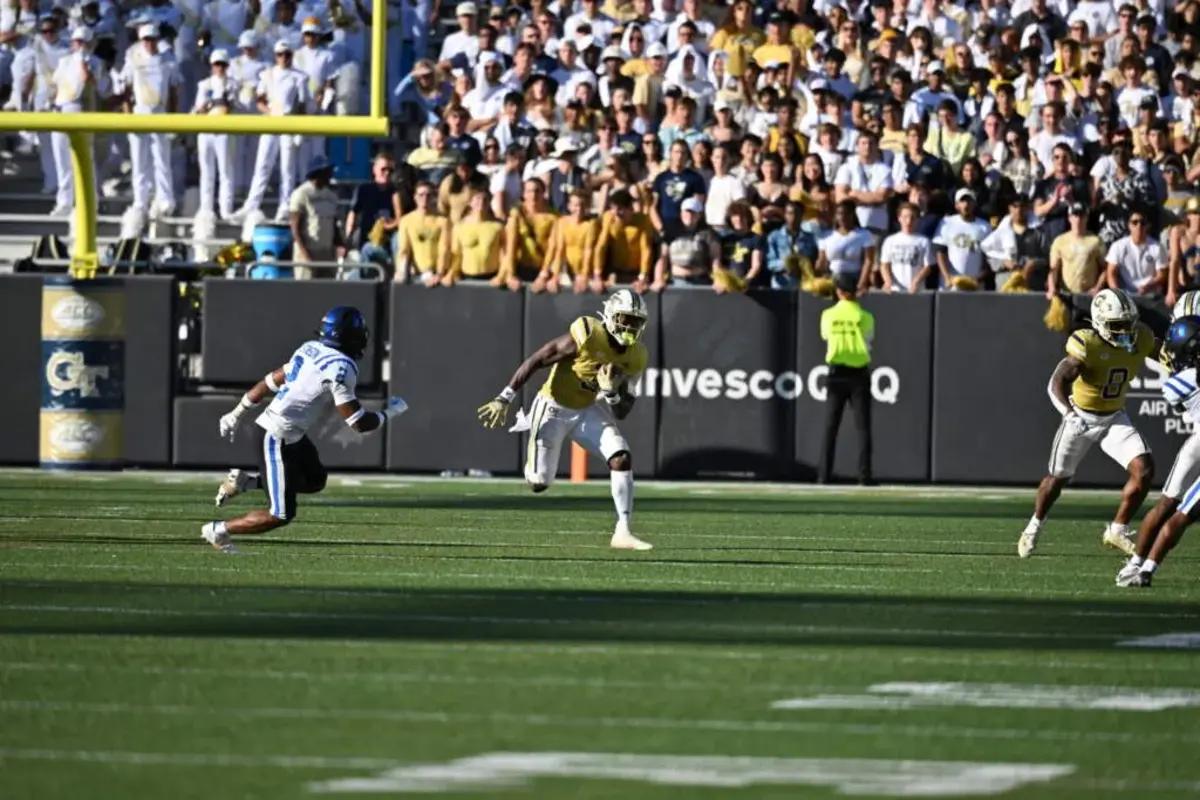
(848, 330)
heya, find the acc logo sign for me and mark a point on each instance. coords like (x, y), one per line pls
(76, 313)
(66, 372)
(75, 437)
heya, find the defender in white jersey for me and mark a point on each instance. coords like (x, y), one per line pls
(320, 371)
(1179, 505)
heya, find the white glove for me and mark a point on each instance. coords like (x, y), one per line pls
(395, 407)
(229, 423)
(1075, 422)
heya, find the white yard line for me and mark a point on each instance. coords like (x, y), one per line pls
(399, 715)
(571, 622)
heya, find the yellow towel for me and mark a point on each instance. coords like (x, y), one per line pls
(1058, 316)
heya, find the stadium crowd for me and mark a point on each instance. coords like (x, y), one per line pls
(917, 144)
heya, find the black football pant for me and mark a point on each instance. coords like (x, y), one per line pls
(847, 385)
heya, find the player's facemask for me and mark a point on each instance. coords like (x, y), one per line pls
(1118, 333)
(625, 328)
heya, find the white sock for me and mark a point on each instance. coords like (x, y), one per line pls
(1118, 527)
(1149, 565)
(622, 494)
(1034, 523)
(1134, 561)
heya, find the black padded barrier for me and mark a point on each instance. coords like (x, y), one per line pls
(21, 361)
(250, 327)
(451, 351)
(727, 369)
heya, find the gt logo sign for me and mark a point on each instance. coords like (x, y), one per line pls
(738, 384)
(66, 372)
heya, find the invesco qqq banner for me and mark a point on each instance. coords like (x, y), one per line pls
(83, 357)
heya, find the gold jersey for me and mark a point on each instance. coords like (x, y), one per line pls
(573, 383)
(1107, 370)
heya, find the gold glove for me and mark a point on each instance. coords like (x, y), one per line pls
(493, 414)
(609, 378)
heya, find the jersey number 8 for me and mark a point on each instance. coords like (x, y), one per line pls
(1117, 378)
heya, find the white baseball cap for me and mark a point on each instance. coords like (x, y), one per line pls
(81, 34)
(693, 205)
(148, 31)
(564, 145)
(612, 51)
(964, 194)
(247, 39)
(311, 27)
(656, 50)
(934, 66)
(722, 104)
(218, 56)
(283, 46)
(467, 9)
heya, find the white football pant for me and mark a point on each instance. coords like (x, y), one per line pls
(594, 428)
(1116, 435)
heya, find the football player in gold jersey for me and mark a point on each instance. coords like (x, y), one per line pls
(586, 392)
(1088, 388)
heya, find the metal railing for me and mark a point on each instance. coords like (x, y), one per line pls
(369, 270)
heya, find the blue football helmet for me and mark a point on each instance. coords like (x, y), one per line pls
(1183, 342)
(344, 328)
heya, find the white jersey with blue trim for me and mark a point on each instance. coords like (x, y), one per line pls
(317, 377)
(1181, 392)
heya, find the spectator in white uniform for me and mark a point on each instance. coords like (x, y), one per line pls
(848, 249)
(152, 81)
(282, 91)
(245, 70)
(45, 53)
(317, 63)
(79, 83)
(216, 95)
(226, 21)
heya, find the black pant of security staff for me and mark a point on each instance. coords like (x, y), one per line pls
(852, 385)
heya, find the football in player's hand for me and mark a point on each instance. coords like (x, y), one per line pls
(609, 378)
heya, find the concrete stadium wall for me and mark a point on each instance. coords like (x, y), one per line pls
(735, 385)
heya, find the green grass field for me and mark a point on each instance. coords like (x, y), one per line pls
(415, 638)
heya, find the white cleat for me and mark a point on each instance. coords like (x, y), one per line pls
(1135, 579)
(1127, 572)
(220, 541)
(1027, 543)
(1118, 540)
(623, 539)
(234, 484)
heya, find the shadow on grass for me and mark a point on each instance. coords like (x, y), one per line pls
(563, 616)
